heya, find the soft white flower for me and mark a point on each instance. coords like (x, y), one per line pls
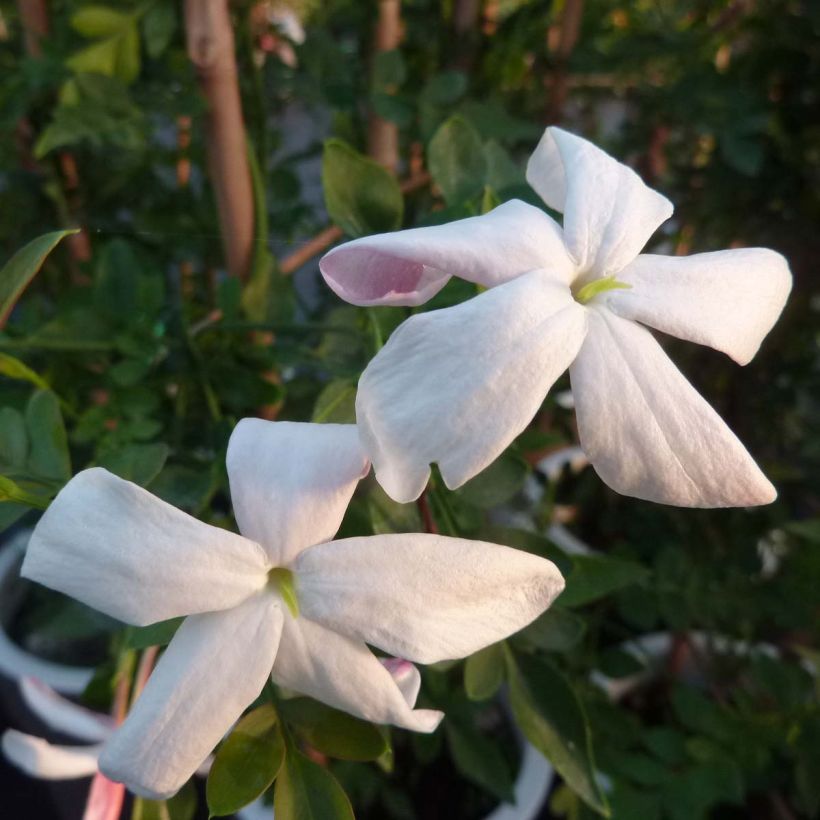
(283, 596)
(456, 386)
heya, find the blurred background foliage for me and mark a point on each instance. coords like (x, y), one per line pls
(140, 343)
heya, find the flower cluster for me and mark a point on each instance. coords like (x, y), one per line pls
(284, 600)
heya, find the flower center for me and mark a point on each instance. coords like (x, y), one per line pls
(281, 580)
(591, 289)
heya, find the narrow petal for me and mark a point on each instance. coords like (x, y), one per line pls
(117, 548)
(648, 432)
(609, 213)
(406, 676)
(291, 482)
(41, 759)
(345, 674)
(63, 715)
(728, 300)
(105, 799)
(215, 666)
(427, 598)
(408, 267)
(456, 386)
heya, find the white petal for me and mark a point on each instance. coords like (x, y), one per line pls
(728, 300)
(117, 548)
(609, 213)
(39, 758)
(408, 267)
(648, 432)
(105, 799)
(214, 667)
(291, 482)
(456, 386)
(427, 598)
(406, 676)
(346, 675)
(63, 715)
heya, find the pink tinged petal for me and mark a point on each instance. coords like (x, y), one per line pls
(609, 213)
(728, 300)
(41, 759)
(345, 674)
(214, 667)
(456, 386)
(105, 799)
(291, 482)
(427, 598)
(63, 715)
(408, 267)
(117, 548)
(648, 432)
(406, 676)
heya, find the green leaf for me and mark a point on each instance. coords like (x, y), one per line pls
(445, 88)
(246, 763)
(10, 491)
(99, 58)
(13, 439)
(140, 463)
(484, 672)
(116, 281)
(480, 761)
(336, 403)
(552, 718)
(99, 21)
(23, 267)
(389, 69)
(557, 630)
(595, 576)
(496, 484)
(158, 28)
(128, 54)
(306, 791)
(158, 634)
(15, 369)
(456, 160)
(502, 172)
(361, 196)
(182, 806)
(48, 457)
(332, 732)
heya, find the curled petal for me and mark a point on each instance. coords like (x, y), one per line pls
(291, 482)
(408, 267)
(456, 386)
(62, 714)
(424, 597)
(344, 673)
(648, 432)
(41, 759)
(406, 676)
(609, 213)
(117, 548)
(215, 666)
(728, 300)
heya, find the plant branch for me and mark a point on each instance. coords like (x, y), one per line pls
(383, 135)
(210, 40)
(562, 39)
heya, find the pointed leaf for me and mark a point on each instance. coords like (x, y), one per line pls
(456, 160)
(552, 718)
(361, 196)
(23, 267)
(15, 369)
(306, 791)
(484, 672)
(246, 763)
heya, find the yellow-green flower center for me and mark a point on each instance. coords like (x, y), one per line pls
(281, 580)
(596, 286)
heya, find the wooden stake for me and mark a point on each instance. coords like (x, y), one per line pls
(210, 40)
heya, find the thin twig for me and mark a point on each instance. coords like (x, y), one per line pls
(426, 514)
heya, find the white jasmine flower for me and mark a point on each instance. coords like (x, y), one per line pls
(282, 599)
(456, 386)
